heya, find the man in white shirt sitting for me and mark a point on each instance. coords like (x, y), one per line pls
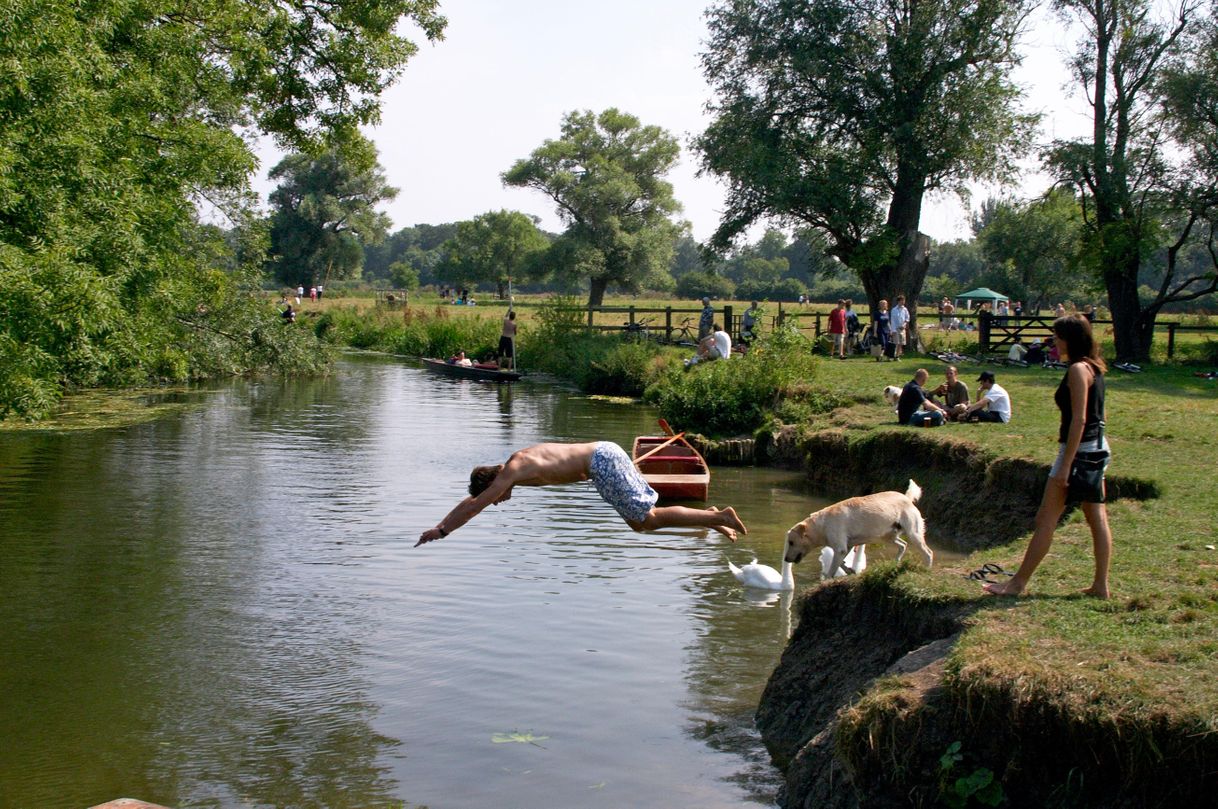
(993, 402)
(715, 346)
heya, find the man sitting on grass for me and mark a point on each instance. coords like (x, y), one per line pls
(914, 407)
(993, 402)
(715, 346)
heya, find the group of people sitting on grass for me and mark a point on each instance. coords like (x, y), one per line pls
(950, 401)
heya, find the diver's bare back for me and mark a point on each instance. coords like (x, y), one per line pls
(550, 464)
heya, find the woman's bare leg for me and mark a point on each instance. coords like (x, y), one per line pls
(1101, 545)
(1052, 504)
(725, 522)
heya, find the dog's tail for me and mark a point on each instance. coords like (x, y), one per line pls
(914, 491)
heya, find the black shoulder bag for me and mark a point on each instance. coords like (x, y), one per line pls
(1086, 481)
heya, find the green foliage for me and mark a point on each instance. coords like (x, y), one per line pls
(1147, 173)
(595, 363)
(702, 284)
(1032, 249)
(495, 247)
(842, 115)
(324, 211)
(411, 332)
(118, 119)
(403, 276)
(738, 395)
(958, 791)
(605, 173)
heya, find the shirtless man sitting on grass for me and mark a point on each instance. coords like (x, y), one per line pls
(609, 468)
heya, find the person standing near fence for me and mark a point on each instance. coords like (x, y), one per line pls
(898, 327)
(837, 330)
(881, 328)
(707, 321)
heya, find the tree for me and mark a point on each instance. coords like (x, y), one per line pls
(419, 246)
(403, 276)
(325, 211)
(687, 257)
(841, 116)
(1140, 196)
(121, 120)
(1033, 248)
(493, 248)
(605, 174)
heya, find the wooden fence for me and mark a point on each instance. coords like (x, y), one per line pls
(669, 324)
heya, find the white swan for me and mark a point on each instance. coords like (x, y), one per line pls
(856, 561)
(764, 577)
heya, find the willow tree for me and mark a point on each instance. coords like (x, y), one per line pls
(841, 115)
(1146, 174)
(606, 176)
(324, 212)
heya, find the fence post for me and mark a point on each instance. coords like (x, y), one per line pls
(983, 330)
(668, 324)
(816, 331)
(727, 319)
(589, 318)
(778, 320)
(1171, 339)
(631, 314)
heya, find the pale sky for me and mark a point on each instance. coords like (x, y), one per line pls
(500, 82)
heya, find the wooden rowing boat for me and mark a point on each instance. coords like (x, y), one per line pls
(676, 471)
(485, 373)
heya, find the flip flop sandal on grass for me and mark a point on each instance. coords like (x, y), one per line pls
(983, 573)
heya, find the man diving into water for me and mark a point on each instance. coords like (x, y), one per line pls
(609, 468)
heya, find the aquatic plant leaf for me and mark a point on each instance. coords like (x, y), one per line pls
(521, 738)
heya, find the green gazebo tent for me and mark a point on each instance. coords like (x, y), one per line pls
(980, 295)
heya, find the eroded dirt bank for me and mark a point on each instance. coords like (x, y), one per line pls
(865, 701)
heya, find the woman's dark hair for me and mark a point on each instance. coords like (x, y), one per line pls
(482, 477)
(1075, 332)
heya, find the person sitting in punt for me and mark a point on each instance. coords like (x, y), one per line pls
(460, 359)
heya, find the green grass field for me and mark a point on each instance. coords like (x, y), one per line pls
(1144, 660)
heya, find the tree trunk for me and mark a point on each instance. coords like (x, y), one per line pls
(904, 272)
(904, 276)
(596, 293)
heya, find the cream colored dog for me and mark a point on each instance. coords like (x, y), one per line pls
(857, 521)
(892, 395)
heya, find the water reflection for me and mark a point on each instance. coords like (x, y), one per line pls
(224, 608)
(157, 636)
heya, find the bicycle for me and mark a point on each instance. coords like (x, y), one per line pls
(638, 330)
(685, 335)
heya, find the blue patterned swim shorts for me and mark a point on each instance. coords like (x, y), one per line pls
(620, 483)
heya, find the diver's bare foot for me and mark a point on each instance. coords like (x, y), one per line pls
(1006, 588)
(1097, 592)
(732, 525)
(733, 521)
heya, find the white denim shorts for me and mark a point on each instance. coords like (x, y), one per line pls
(1086, 446)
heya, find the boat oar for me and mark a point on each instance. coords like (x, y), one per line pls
(657, 448)
(666, 428)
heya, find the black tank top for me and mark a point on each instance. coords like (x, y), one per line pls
(1095, 407)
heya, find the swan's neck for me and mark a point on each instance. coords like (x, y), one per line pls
(788, 574)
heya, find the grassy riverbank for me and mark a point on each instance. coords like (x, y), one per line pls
(1057, 694)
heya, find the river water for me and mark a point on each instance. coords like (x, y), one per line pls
(223, 608)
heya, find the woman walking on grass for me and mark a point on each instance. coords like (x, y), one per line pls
(1080, 398)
